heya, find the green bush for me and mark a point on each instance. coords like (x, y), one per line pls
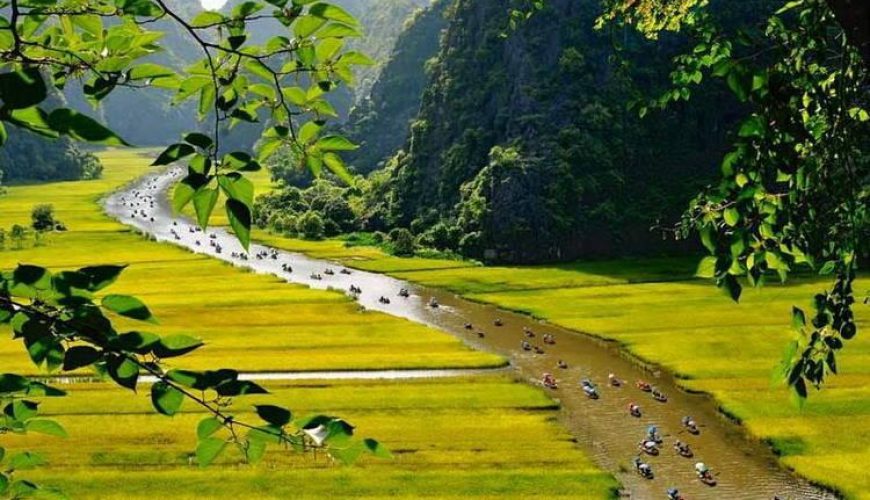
(310, 226)
(42, 218)
(402, 242)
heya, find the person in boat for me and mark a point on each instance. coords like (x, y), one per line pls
(643, 385)
(481, 334)
(634, 410)
(549, 339)
(469, 326)
(549, 380)
(561, 364)
(539, 349)
(498, 322)
(526, 346)
(704, 473)
(433, 302)
(404, 293)
(642, 468)
(658, 395)
(615, 382)
(648, 446)
(690, 424)
(589, 388)
(528, 332)
(674, 494)
(652, 433)
(345, 271)
(328, 272)
(682, 448)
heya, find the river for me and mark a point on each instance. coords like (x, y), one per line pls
(743, 468)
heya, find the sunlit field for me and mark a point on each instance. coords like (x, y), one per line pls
(659, 313)
(486, 436)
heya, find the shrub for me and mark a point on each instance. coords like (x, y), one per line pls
(42, 218)
(310, 226)
(402, 242)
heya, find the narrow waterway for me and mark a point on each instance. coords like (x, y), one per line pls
(743, 468)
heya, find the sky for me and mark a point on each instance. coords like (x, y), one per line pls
(213, 4)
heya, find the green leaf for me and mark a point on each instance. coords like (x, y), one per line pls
(752, 127)
(207, 18)
(208, 450)
(32, 276)
(204, 202)
(101, 276)
(80, 356)
(176, 345)
(129, 307)
(138, 342)
(124, 371)
(377, 449)
(706, 268)
(149, 70)
(207, 427)
(731, 216)
(732, 287)
(239, 388)
(237, 187)
(173, 153)
(22, 89)
(239, 216)
(255, 449)
(275, 415)
(332, 12)
(186, 189)
(22, 410)
(199, 140)
(25, 460)
(82, 128)
(166, 399)
(335, 143)
(45, 426)
(798, 319)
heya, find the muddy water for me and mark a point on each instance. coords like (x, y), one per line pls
(743, 468)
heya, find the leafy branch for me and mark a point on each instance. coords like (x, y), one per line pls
(64, 325)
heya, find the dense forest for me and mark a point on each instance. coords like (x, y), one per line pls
(525, 147)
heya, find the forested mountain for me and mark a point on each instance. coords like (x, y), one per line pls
(525, 150)
(379, 123)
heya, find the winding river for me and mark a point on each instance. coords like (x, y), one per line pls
(743, 468)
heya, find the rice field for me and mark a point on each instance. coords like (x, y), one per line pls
(658, 312)
(486, 436)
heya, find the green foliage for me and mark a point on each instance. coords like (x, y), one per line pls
(61, 320)
(585, 176)
(28, 157)
(401, 242)
(310, 226)
(42, 218)
(793, 190)
(235, 81)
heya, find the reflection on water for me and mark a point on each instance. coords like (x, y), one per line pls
(604, 426)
